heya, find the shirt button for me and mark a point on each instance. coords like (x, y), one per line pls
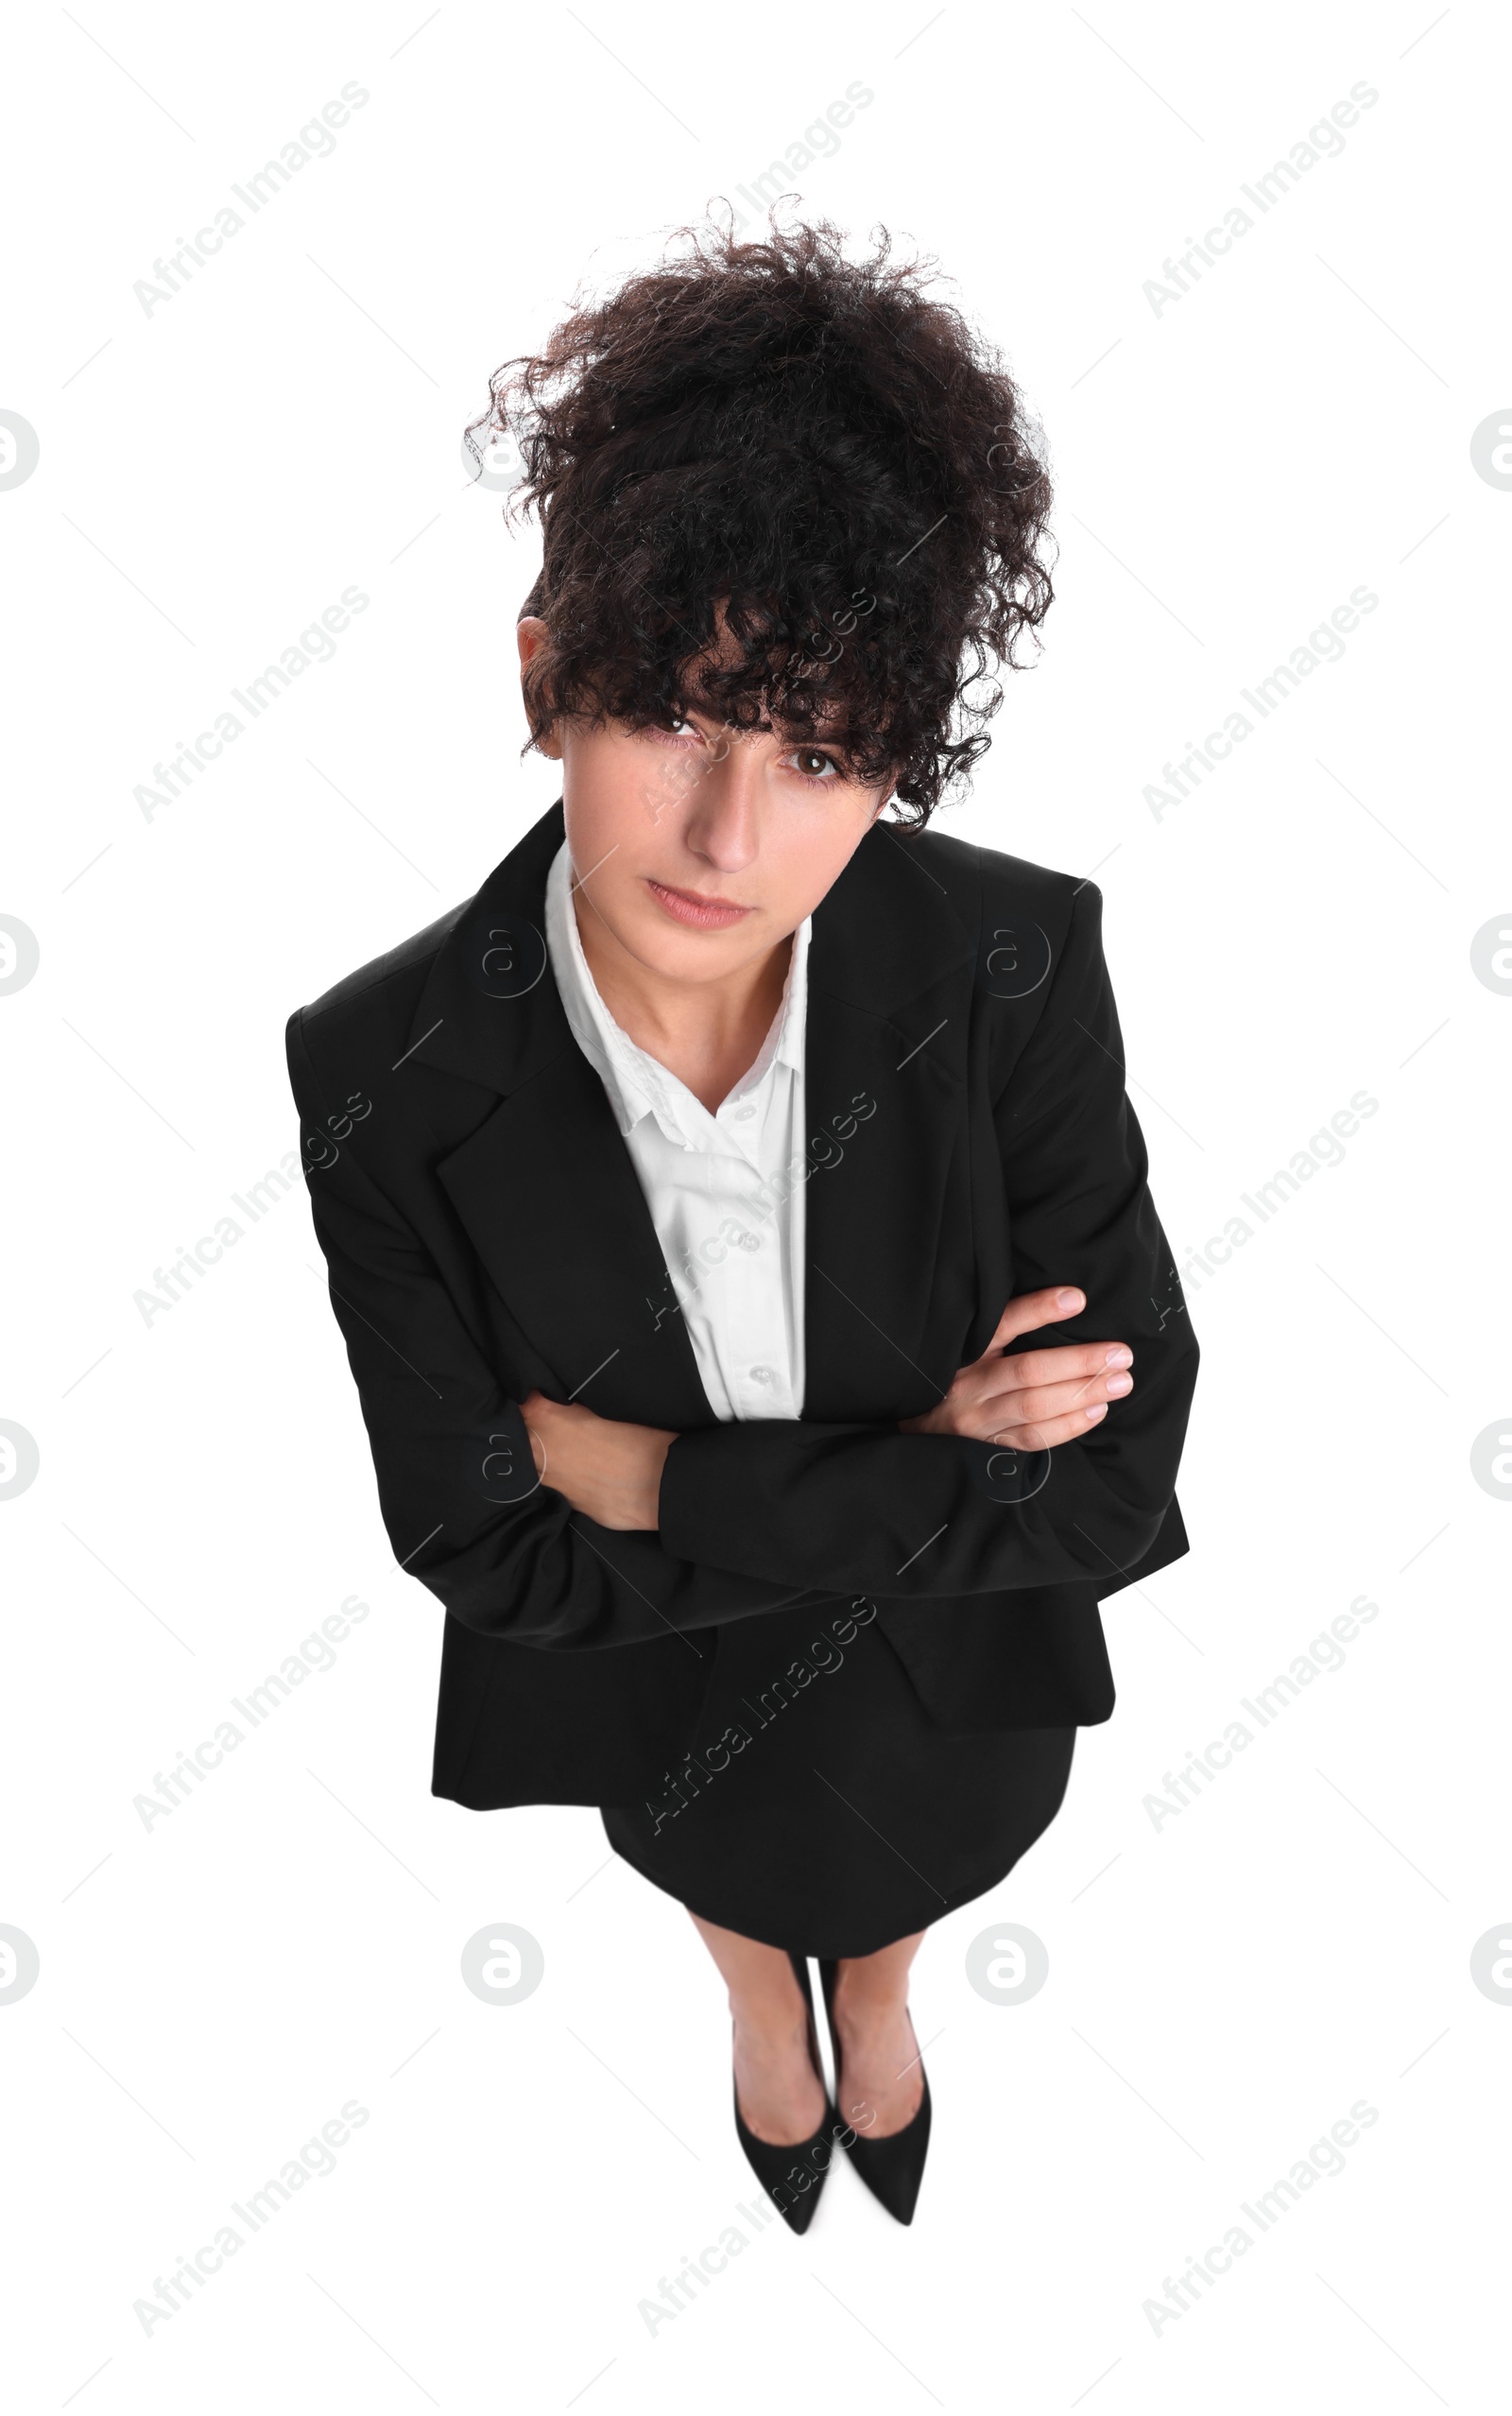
(750, 1241)
(763, 1376)
(743, 1115)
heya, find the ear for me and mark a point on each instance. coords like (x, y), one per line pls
(530, 636)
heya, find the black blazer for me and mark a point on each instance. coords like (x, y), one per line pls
(487, 1234)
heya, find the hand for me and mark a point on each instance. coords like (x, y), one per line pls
(607, 1469)
(1031, 1400)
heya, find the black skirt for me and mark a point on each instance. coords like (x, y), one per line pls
(827, 1813)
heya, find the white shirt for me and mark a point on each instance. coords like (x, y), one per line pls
(725, 1191)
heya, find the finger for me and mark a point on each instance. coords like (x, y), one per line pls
(1071, 1362)
(1003, 1386)
(1044, 1435)
(1032, 1310)
(1045, 1401)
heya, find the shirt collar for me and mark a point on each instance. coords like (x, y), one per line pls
(637, 1084)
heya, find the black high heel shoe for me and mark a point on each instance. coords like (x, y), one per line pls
(793, 2177)
(892, 2167)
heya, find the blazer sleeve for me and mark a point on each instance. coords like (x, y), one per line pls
(913, 1515)
(456, 1481)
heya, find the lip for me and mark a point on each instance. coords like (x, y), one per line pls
(687, 906)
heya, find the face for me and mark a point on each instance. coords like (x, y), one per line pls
(701, 847)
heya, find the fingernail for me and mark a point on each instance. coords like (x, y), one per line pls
(1119, 1357)
(1118, 1385)
(1093, 1415)
(1070, 1300)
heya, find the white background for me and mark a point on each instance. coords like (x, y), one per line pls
(1223, 1986)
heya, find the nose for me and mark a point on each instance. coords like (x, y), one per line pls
(722, 827)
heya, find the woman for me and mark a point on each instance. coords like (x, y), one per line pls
(769, 1347)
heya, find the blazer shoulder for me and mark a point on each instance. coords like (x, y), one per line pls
(985, 880)
(382, 995)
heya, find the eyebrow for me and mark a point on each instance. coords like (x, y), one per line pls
(791, 733)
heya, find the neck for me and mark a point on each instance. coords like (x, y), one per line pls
(708, 1033)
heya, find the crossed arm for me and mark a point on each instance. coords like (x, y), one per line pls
(629, 1532)
(932, 1509)
(1028, 1401)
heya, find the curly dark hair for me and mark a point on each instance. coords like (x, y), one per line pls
(804, 462)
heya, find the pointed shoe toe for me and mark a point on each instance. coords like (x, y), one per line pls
(793, 2177)
(893, 2167)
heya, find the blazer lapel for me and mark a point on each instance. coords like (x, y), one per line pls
(885, 1087)
(550, 1197)
(544, 1186)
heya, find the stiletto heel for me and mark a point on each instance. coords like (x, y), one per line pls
(793, 2177)
(892, 2167)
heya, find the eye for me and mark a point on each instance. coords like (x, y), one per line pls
(816, 766)
(678, 725)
